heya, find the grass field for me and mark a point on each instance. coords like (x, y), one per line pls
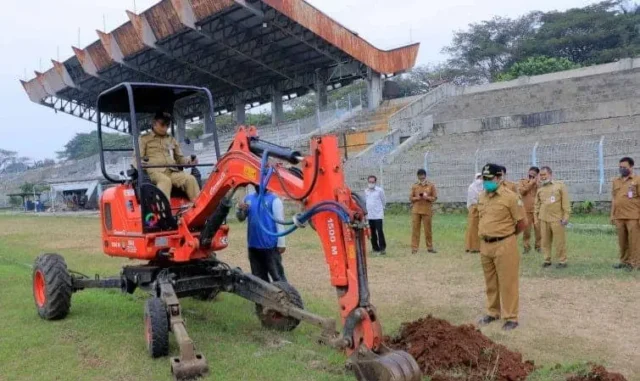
(587, 312)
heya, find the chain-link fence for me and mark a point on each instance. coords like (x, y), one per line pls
(586, 164)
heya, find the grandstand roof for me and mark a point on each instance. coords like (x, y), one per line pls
(242, 50)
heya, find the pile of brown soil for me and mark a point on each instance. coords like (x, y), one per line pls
(453, 353)
(598, 373)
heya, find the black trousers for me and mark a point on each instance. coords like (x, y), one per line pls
(267, 263)
(377, 235)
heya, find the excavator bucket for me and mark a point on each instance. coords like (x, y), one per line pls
(387, 365)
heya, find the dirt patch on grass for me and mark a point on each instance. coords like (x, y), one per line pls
(452, 353)
(598, 373)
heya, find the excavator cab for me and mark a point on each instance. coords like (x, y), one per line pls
(135, 206)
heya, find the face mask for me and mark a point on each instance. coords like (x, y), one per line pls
(371, 186)
(545, 182)
(490, 186)
(624, 172)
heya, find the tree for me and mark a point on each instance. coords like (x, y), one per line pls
(86, 144)
(482, 52)
(10, 162)
(43, 163)
(537, 66)
(599, 33)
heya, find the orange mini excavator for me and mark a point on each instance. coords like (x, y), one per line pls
(178, 240)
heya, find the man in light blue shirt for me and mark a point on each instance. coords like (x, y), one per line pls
(376, 203)
(265, 250)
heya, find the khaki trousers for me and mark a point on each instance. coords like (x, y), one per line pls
(416, 220)
(501, 267)
(165, 180)
(629, 241)
(526, 237)
(554, 233)
(472, 239)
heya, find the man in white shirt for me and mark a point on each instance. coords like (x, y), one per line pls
(472, 239)
(375, 208)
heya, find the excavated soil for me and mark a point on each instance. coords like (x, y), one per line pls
(454, 353)
(598, 373)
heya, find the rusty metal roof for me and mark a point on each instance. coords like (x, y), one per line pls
(239, 49)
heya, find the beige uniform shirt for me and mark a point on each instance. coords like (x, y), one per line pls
(552, 203)
(500, 212)
(513, 187)
(161, 150)
(528, 189)
(625, 197)
(423, 206)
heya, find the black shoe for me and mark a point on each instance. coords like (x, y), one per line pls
(539, 250)
(510, 325)
(486, 320)
(561, 266)
(432, 251)
(526, 250)
(467, 251)
(546, 264)
(620, 266)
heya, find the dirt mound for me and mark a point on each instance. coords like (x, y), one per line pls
(598, 373)
(453, 353)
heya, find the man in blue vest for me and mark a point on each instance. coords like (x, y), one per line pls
(265, 250)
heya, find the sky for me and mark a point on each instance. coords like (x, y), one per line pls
(36, 31)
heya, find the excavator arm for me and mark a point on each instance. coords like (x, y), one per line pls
(338, 219)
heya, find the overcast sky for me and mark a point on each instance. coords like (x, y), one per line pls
(33, 32)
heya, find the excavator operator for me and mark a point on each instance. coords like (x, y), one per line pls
(160, 148)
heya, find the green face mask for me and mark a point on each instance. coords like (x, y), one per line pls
(490, 186)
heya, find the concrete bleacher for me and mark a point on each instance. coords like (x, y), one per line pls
(558, 119)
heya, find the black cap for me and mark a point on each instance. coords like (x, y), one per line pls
(490, 170)
(163, 116)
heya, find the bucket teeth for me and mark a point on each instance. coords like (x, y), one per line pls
(387, 365)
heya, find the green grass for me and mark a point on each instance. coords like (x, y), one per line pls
(102, 338)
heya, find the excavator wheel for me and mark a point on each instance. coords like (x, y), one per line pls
(52, 286)
(275, 320)
(156, 327)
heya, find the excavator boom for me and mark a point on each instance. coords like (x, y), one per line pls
(338, 218)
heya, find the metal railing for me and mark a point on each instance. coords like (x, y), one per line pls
(585, 163)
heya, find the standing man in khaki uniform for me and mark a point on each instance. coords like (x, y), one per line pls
(552, 212)
(501, 220)
(159, 148)
(625, 214)
(423, 195)
(528, 188)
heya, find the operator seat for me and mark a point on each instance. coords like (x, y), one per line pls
(156, 209)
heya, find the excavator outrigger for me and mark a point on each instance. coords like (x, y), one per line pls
(179, 241)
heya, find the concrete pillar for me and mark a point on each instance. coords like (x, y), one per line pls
(374, 89)
(240, 114)
(277, 108)
(180, 126)
(321, 89)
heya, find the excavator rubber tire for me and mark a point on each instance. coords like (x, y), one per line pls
(156, 326)
(275, 320)
(52, 286)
